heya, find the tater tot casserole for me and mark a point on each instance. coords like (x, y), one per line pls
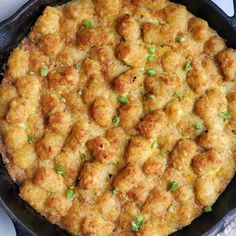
(118, 118)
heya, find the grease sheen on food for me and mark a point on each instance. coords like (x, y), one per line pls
(118, 118)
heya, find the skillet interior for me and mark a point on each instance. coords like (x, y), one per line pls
(15, 28)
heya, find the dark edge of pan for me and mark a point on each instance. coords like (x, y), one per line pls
(14, 29)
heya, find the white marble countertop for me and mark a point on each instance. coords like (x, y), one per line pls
(6, 226)
(7, 8)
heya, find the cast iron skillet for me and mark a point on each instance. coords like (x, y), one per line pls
(14, 29)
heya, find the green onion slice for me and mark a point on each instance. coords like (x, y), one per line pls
(78, 66)
(187, 66)
(113, 192)
(30, 138)
(180, 39)
(197, 126)
(87, 24)
(151, 72)
(173, 186)
(116, 121)
(70, 193)
(137, 223)
(207, 209)
(164, 153)
(138, 206)
(43, 71)
(123, 100)
(60, 170)
(225, 115)
(154, 144)
(62, 99)
(150, 95)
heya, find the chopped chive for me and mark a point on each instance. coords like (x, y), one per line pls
(63, 100)
(173, 186)
(87, 24)
(139, 218)
(70, 193)
(150, 95)
(114, 192)
(123, 100)
(138, 206)
(151, 57)
(137, 223)
(179, 94)
(116, 121)
(197, 126)
(225, 115)
(78, 66)
(30, 138)
(187, 66)
(152, 50)
(151, 72)
(114, 162)
(43, 71)
(180, 39)
(164, 153)
(134, 227)
(154, 144)
(80, 92)
(207, 209)
(60, 170)
(93, 81)
(83, 155)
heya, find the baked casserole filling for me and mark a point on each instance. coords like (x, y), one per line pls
(118, 118)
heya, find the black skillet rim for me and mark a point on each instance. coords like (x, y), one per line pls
(230, 20)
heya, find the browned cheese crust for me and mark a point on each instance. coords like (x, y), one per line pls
(119, 117)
